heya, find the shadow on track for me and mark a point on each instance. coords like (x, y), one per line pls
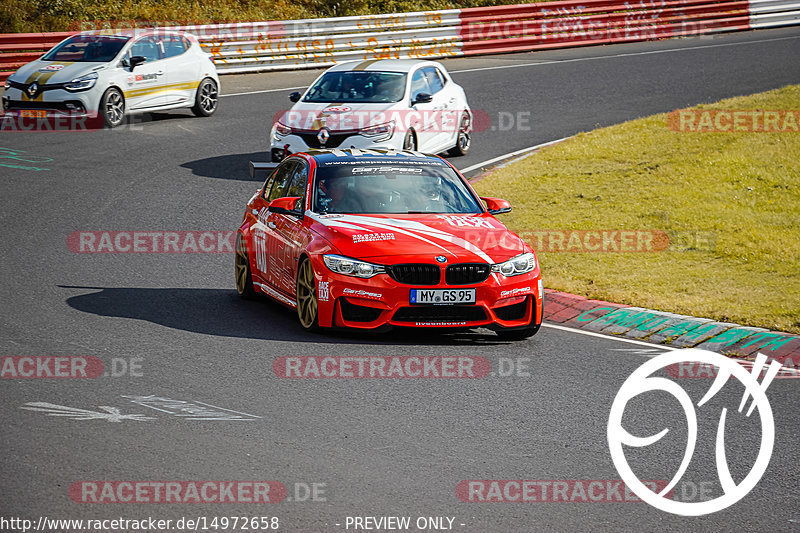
(222, 313)
(229, 167)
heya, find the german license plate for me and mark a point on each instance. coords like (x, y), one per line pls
(33, 113)
(442, 296)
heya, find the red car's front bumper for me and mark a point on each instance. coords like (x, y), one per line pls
(381, 302)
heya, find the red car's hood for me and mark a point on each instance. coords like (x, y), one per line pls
(392, 239)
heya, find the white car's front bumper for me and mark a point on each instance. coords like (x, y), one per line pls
(303, 141)
(56, 100)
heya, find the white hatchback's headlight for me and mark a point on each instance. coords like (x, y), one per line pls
(522, 264)
(378, 131)
(282, 129)
(351, 267)
(83, 83)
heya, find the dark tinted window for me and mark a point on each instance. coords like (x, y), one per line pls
(282, 178)
(268, 184)
(419, 84)
(297, 185)
(434, 79)
(358, 86)
(87, 48)
(146, 47)
(173, 46)
(398, 187)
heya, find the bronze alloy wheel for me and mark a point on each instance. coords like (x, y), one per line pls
(244, 279)
(306, 296)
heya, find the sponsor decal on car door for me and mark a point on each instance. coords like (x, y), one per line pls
(289, 231)
(268, 233)
(181, 70)
(144, 83)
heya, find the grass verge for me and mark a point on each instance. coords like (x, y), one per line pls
(730, 203)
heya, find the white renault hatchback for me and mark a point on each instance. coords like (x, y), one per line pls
(391, 104)
(112, 75)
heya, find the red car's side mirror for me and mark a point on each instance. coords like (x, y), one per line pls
(289, 205)
(496, 206)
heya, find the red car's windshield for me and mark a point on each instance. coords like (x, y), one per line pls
(391, 187)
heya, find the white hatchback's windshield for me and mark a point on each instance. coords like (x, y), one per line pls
(88, 48)
(358, 87)
(391, 187)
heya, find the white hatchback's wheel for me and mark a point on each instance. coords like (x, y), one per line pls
(206, 98)
(307, 296)
(112, 107)
(463, 140)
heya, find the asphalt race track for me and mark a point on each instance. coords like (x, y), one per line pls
(172, 326)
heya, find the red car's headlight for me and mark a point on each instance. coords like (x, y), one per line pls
(521, 264)
(352, 267)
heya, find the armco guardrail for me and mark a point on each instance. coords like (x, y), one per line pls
(281, 45)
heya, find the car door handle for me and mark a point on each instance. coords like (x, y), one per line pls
(159, 73)
(271, 225)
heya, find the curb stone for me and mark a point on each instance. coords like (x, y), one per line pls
(671, 329)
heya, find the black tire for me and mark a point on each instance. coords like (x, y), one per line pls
(410, 142)
(244, 277)
(112, 107)
(206, 98)
(463, 141)
(307, 306)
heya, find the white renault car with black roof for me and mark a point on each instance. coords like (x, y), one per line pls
(113, 75)
(391, 104)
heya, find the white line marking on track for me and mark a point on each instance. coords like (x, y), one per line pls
(509, 155)
(602, 336)
(628, 54)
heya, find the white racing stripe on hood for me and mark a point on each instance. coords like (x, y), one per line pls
(369, 226)
(405, 227)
